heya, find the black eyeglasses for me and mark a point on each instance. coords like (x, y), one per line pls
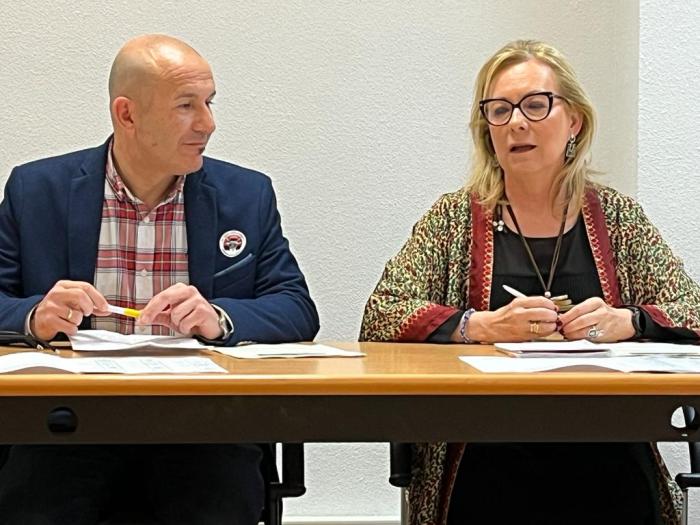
(534, 107)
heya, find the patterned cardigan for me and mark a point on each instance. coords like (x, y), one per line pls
(447, 265)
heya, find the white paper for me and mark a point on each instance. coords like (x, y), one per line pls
(493, 364)
(286, 350)
(104, 340)
(651, 348)
(110, 365)
(558, 349)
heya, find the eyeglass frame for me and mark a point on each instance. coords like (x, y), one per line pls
(550, 96)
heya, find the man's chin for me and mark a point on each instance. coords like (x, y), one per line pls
(191, 165)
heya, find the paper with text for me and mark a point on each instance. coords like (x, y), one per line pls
(110, 365)
(105, 341)
(553, 348)
(285, 350)
(505, 365)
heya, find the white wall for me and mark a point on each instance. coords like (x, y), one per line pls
(358, 111)
(668, 142)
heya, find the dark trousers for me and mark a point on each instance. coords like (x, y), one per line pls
(168, 484)
(555, 484)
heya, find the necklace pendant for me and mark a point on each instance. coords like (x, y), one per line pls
(548, 294)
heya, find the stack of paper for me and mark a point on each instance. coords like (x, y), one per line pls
(582, 348)
(104, 340)
(116, 365)
(684, 365)
(287, 350)
(651, 348)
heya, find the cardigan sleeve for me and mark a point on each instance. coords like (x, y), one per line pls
(408, 303)
(656, 279)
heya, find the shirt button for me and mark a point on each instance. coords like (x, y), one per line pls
(144, 273)
(147, 219)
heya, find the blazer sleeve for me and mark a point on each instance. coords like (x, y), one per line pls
(282, 309)
(408, 302)
(14, 308)
(657, 280)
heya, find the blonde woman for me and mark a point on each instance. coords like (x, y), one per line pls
(589, 264)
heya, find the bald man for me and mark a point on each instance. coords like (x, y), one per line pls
(146, 221)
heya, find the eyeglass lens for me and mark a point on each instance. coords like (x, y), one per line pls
(535, 107)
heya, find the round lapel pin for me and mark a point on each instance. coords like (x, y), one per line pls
(232, 243)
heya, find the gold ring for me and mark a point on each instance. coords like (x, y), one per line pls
(70, 314)
(534, 327)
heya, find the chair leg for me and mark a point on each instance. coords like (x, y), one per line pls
(404, 506)
(274, 514)
(684, 514)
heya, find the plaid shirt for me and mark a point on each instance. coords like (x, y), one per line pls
(140, 253)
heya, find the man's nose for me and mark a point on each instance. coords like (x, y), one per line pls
(205, 121)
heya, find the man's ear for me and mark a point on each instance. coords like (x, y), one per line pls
(123, 112)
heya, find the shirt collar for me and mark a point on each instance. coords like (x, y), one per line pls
(123, 193)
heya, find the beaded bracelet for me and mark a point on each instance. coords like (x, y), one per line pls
(463, 326)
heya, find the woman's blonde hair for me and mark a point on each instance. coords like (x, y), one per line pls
(486, 179)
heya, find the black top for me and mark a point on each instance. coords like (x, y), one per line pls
(576, 276)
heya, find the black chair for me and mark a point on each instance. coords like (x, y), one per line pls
(690, 479)
(291, 485)
(400, 456)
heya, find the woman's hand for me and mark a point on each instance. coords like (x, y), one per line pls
(524, 319)
(593, 319)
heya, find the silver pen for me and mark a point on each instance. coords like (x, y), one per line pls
(512, 291)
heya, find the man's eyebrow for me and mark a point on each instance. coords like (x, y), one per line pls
(193, 95)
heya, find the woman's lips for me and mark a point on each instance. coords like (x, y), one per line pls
(521, 148)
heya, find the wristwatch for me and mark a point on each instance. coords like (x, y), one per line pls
(225, 322)
(636, 321)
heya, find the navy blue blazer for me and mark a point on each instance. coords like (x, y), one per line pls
(50, 225)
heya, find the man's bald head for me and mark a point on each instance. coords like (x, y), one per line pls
(144, 60)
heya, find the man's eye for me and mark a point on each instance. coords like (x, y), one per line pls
(186, 105)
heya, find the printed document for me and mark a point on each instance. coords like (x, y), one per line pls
(285, 350)
(110, 365)
(105, 341)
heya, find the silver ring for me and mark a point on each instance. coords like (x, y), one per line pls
(594, 333)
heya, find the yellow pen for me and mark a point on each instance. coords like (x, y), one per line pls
(129, 312)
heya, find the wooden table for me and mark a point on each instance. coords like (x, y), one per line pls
(398, 392)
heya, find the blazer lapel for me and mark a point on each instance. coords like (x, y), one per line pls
(201, 214)
(85, 214)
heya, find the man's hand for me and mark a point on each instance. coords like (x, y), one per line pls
(63, 309)
(183, 309)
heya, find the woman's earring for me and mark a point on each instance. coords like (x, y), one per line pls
(570, 152)
(494, 162)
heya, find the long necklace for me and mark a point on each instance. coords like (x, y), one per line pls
(562, 301)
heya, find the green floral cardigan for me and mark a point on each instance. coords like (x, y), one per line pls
(447, 265)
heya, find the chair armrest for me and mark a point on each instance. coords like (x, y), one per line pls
(400, 464)
(292, 483)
